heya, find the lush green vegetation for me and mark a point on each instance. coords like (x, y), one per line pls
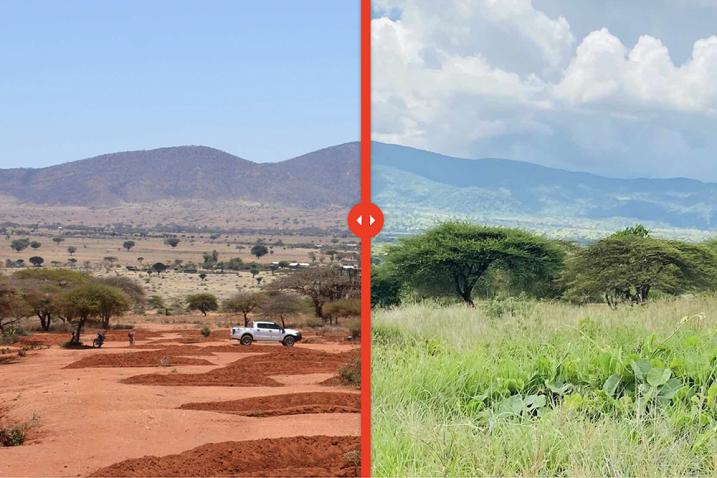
(500, 353)
(546, 389)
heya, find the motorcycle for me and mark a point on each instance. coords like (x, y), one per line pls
(99, 340)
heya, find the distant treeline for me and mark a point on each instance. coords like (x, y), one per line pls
(469, 261)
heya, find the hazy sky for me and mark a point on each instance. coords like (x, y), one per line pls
(264, 80)
(621, 88)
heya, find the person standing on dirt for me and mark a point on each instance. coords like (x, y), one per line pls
(130, 336)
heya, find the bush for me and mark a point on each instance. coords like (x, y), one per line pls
(12, 436)
(351, 373)
(354, 327)
(15, 435)
(508, 306)
(205, 331)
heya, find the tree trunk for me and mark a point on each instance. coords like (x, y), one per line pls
(45, 320)
(466, 295)
(318, 308)
(246, 320)
(78, 331)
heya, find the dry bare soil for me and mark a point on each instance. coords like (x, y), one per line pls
(168, 408)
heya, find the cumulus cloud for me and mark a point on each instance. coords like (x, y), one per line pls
(500, 77)
(603, 70)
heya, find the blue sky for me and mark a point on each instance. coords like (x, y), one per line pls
(614, 87)
(265, 80)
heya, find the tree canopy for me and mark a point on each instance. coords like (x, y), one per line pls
(452, 257)
(203, 302)
(244, 303)
(320, 284)
(628, 265)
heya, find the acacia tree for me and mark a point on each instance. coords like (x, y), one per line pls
(320, 284)
(259, 250)
(454, 256)
(172, 242)
(92, 300)
(277, 305)
(41, 288)
(626, 266)
(36, 261)
(203, 302)
(12, 306)
(20, 244)
(342, 308)
(128, 245)
(71, 249)
(244, 303)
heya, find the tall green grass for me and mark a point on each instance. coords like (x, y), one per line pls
(528, 390)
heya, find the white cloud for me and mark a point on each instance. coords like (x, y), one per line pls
(495, 77)
(603, 70)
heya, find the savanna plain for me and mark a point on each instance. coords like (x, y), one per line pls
(591, 376)
(183, 399)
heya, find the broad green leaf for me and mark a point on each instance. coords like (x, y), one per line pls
(512, 405)
(658, 376)
(669, 389)
(611, 384)
(534, 401)
(558, 387)
(641, 368)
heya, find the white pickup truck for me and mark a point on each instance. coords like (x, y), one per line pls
(265, 331)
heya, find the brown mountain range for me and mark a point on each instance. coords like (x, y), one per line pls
(327, 177)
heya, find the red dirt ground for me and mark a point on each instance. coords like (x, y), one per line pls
(300, 456)
(192, 431)
(287, 404)
(155, 358)
(255, 370)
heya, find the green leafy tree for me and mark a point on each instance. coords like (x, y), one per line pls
(385, 287)
(626, 266)
(134, 290)
(35, 244)
(342, 308)
(172, 242)
(20, 244)
(244, 303)
(454, 256)
(158, 267)
(58, 240)
(92, 300)
(203, 302)
(71, 250)
(12, 306)
(128, 245)
(259, 250)
(278, 305)
(36, 261)
(320, 284)
(210, 259)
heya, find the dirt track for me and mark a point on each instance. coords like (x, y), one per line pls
(91, 418)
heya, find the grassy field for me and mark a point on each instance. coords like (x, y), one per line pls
(524, 388)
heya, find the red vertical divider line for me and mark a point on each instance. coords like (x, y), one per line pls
(365, 241)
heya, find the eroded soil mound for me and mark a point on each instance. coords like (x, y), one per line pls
(288, 404)
(206, 349)
(256, 370)
(295, 456)
(59, 338)
(160, 358)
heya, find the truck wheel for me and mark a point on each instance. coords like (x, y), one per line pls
(289, 341)
(246, 339)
